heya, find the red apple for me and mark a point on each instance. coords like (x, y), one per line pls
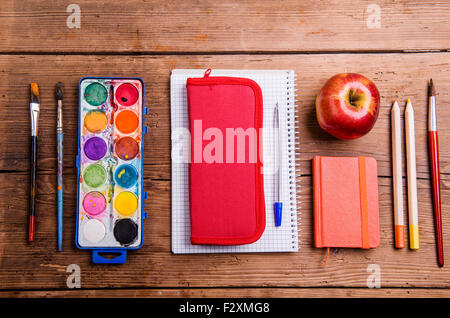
(347, 105)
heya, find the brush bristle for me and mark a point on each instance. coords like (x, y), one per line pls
(59, 91)
(431, 89)
(34, 91)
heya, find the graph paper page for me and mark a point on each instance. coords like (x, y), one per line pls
(278, 86)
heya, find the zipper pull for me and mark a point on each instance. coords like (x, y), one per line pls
(208, 71)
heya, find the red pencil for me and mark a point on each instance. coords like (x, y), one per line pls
(433, 148)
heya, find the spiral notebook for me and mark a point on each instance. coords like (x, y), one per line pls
(278, 87)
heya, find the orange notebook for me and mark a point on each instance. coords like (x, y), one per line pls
(346, 212)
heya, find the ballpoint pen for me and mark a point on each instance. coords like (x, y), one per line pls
(278, 206)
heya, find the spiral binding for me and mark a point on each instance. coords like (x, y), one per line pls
(293, 158)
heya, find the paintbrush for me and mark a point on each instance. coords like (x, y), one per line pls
(59, 148)
(433, 149)
(34, 112)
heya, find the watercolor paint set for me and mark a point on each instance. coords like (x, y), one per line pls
(110, 158)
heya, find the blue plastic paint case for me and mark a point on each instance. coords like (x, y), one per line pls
(110, 164)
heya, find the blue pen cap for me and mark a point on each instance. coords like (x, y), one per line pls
(278, 213)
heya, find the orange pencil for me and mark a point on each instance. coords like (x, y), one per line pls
(399, 222)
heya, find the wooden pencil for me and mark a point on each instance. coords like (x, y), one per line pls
(413, 215)
(397, 177)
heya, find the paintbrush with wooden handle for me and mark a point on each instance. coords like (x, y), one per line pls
(34, 112)
(59, 148)
(433, 149)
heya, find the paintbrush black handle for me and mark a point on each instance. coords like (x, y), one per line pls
(33, 169)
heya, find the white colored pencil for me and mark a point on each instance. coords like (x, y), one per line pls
(397, 176)
(412, 177)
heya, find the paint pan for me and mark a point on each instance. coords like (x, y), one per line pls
(127, 148)
(126, 176)
(126, 203)
(125, 231)
(126, 121)
(95, 94)
(94, 175)
(95, 121)
(110, 192)
(127, 94)
(94, 230)
(94, 203)
(95, 148)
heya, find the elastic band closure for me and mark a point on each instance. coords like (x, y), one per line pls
(363, 200)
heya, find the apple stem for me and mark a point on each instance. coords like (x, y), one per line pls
(353, 98)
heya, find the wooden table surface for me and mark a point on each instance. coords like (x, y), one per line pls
(409, 44)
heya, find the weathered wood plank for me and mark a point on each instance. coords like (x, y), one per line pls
(398, 76)
(229, 25)
(40, 266)
(237, 293)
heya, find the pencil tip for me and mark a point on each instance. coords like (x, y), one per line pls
(395, 107)
(409, 108)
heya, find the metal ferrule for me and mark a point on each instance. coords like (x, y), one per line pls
(34, 111)
(59, 125)
(432, 122)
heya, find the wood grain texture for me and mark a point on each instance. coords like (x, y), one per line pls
(235, 293)
(155, 266)
(224, 26)
(398, 76)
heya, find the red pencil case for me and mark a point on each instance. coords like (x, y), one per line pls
(226, 188)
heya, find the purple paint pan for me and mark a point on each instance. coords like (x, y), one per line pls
(95, 148)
